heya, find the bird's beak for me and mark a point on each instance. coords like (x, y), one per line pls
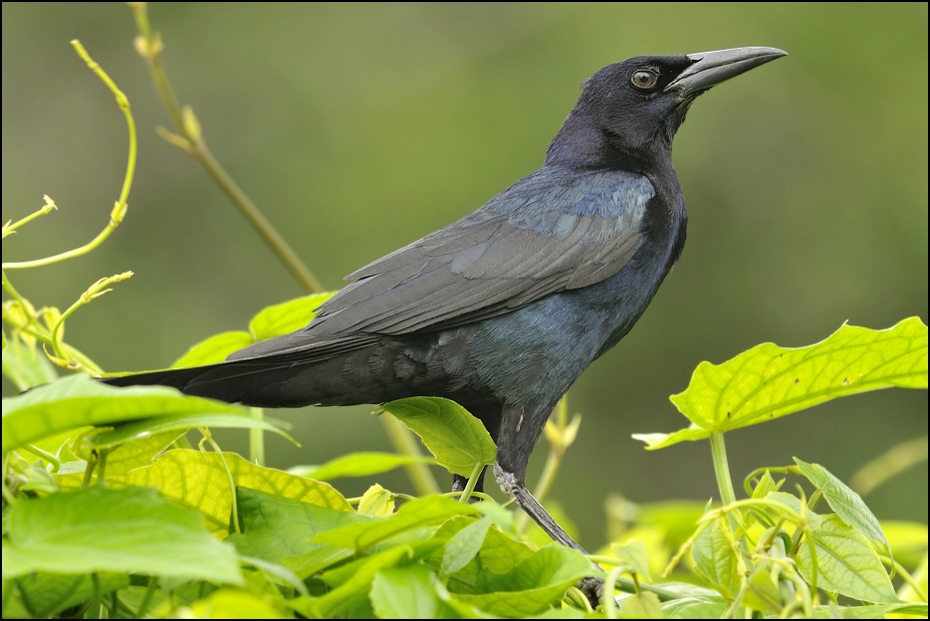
(711, 68)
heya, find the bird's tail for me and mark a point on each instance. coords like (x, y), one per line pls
(249, 382)
(273, 373)
(176, 378)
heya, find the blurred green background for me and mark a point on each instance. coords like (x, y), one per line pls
(359, 128)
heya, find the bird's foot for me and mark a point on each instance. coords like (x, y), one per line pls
(593, 590)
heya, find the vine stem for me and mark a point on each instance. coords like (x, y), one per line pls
(190, 139)
(119, 209)
(722, 468)
(718, 449)
(257, 439)
(150, 46)
(472, 481)
(229, 476)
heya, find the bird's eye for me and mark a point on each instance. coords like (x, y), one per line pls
(644, 79)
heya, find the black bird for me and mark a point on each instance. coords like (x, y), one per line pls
(502, 310)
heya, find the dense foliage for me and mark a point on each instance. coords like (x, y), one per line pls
(121, 503)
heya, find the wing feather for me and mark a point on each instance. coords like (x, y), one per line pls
(553, 231)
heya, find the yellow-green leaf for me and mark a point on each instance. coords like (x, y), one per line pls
(200, 481)
(99, 529)
(457, 439)
(376, 502)
(844, 563)
(230, 604)
(77, 401)
(769, 381)
(214, 349)
(26, 365)
(633, 554)
(661, 440)
(416, 513)
(845, 503)
(358, 465)
(716, 559)
(464, 545)
(410, 592)
(286, 317)
(269, 322)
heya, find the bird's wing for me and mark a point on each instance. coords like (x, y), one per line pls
(552, 231)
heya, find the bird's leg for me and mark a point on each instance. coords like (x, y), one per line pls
(458, 483)
(593, 588)
(520, 430)
(518, 491)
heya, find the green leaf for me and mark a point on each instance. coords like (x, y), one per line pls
(230, 604)
(762, 594)
(687, 590)
(214, 349)
(48, 594)
(876, 611)
(769, 381)
(98, 529)
(138, 453)
(279, 530)
(269, 322)
(376, 502)
(916, 589)
(456, 439)
(125, 432)
(794, 504)
(464, 545)
(532, 585)
(413, 552)
(279, 574)
(27, 366)
(766, 485)
(286, 317)
(643, 606)
(60, 444)
(415, 514)
(38, 480)
(499, 514)
(908, 540)
(566, 612)
(845, 563)
(410, 592)
(499, 553)
(357, 465)
(673, 522)
(200, 481)
(692, 602)
(845, 502)
(694, 608)
(352, 584)
(716, 559)
(78, 400)
(633, 554)
(656, 441)
(133, 597)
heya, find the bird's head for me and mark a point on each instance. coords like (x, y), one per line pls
(628, 112)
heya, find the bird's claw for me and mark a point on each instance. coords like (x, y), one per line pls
(593, 590)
